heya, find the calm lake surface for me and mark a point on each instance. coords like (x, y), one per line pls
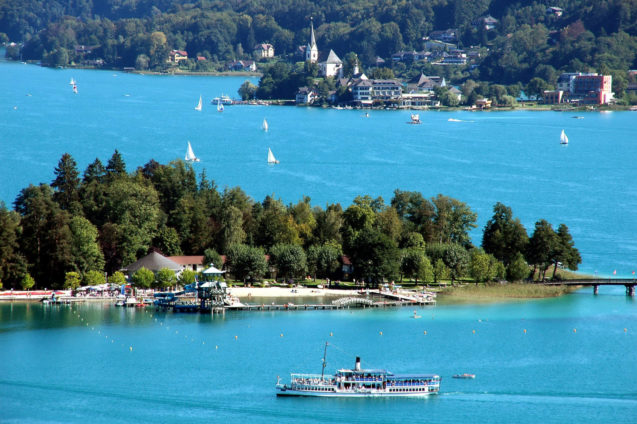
(74, 364)
(334, 155)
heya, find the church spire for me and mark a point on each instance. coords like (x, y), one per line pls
(311, 51)
(312, 39)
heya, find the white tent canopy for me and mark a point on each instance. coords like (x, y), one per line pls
(213, 271)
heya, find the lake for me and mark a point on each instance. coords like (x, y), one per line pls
(97, 363)
(334, 155)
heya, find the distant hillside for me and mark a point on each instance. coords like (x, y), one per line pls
(526, 38)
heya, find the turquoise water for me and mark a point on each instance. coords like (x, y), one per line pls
(334, 155)
(74, 364)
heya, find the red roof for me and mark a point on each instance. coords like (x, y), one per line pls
(187, 260)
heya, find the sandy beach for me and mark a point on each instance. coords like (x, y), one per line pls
(244, 292)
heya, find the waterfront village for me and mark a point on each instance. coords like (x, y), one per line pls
(424, 91)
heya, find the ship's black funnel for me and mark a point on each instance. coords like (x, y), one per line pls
(357, 367)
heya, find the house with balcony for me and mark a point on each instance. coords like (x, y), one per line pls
(176, 56)
(386, 90)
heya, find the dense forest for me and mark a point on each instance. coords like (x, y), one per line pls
(526, 42)
(82, 225)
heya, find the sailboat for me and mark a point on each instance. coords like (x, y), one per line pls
(72, 82)
(190, 155)
(265, 125)
(219, 106)
(75, 88)
(271, 159)
(563, 138)
(198, 107)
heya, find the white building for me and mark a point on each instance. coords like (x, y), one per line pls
(332, 67)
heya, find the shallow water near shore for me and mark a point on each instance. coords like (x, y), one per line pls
(334, 155)
(99, 363)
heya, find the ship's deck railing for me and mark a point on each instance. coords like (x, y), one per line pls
(312, 379)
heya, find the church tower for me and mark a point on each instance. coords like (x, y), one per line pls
(311, 51)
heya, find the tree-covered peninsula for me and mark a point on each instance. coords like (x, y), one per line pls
(81, 225)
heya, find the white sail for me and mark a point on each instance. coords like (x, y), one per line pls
(198, 107)
(190, 155)
(265, 125)
(72, 82)
(219, 106)
(271, 159)
(563, 138)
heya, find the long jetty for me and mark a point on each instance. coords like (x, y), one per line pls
(629, 283)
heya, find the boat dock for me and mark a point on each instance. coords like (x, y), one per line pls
(342, 303)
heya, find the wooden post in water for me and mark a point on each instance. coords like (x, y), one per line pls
(595, 289)
(630, 289)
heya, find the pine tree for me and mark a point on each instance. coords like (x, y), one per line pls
(66, 183)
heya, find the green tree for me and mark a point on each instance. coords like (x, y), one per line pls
(456, 258)
(118, 278)
(46, 239)
(518, 269)
(374, 256)
(536, 87)
(504, 236)
(440, 271)
(247, 91)
(94, 278)
(426, 271)
(289, 260)
(453, 220)
(66, 184)
(116, 167)
(132, 206)
(324, 260)
(27, 282)
(246, 262)
(165, 278)
(542, 246)
(479, 266)
(167, 240)
(13, 265)
(565, 251)
(186, 277)
(211, 257)
(72, 280)
(231, 227)
(411, 262)
(143, 278)
(85, 249)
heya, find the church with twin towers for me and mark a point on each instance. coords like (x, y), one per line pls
(332, 66)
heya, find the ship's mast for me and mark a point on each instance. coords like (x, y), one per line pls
(324, 362)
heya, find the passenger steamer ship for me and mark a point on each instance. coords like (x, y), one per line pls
(360, 382)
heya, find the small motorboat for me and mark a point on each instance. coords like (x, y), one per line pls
(465, 376)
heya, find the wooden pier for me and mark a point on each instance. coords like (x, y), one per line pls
(325, 307)
(629, 283)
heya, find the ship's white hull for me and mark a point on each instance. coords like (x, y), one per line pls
(351, 394)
